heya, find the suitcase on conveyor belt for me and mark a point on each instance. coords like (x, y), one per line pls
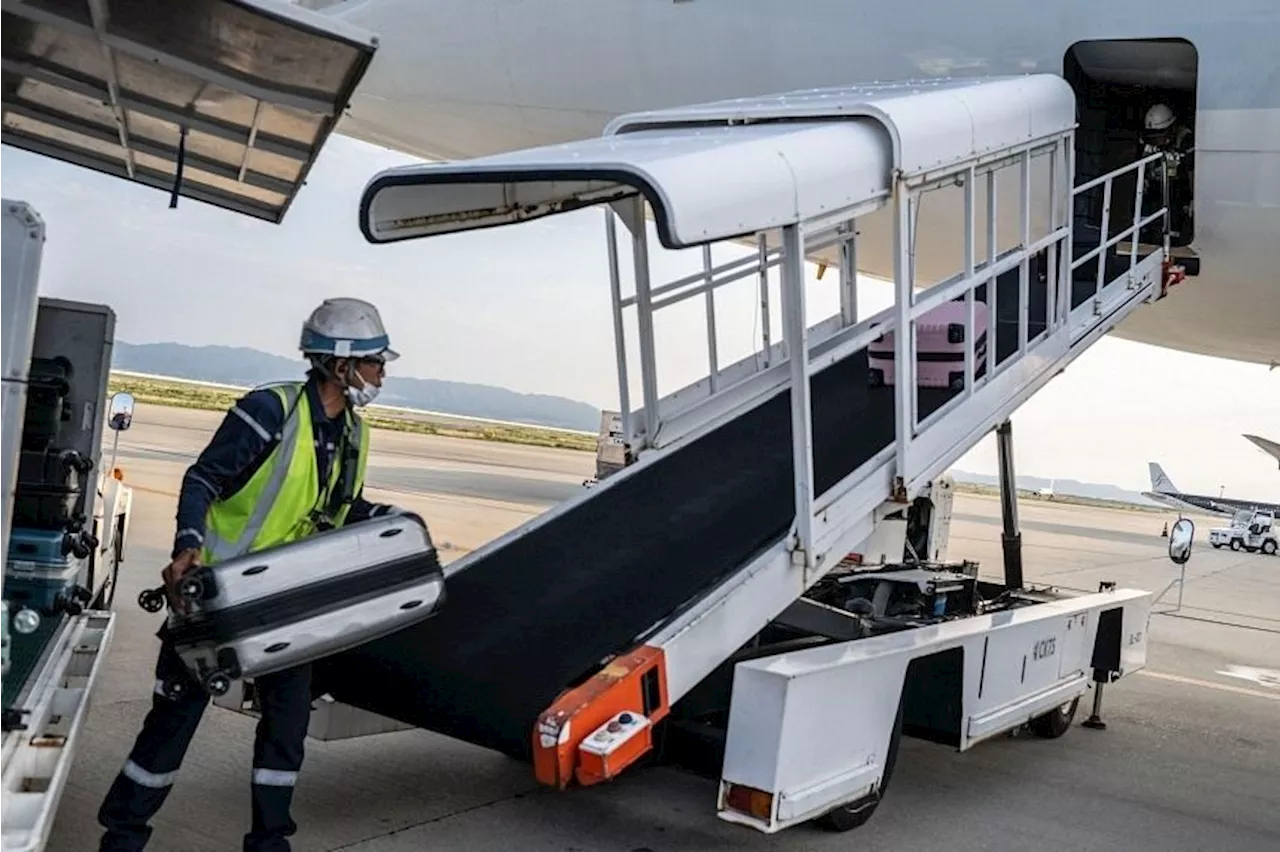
(295, 603)
(940, 346)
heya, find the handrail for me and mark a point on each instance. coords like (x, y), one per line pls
(1109, 176)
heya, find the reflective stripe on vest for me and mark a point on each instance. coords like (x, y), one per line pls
(276, 505)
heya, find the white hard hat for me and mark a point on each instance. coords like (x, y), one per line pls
(346, 328)
(1159, 117)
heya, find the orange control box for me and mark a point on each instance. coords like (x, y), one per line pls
(632, 683)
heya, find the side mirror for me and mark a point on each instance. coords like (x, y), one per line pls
(121, 416)
(1180, 538)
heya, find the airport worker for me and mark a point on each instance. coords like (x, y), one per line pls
(235, 499)
(1164, 132)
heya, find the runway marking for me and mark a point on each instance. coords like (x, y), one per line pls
(1262, 677)
(1222, 687)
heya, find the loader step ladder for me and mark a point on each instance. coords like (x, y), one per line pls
(798, 176)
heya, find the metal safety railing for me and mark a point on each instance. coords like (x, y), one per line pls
(730, 384)
(1138, 223)
(1002, 376)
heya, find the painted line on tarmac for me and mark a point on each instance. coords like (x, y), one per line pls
(1222, 687)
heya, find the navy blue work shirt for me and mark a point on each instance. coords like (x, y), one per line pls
(236, 452)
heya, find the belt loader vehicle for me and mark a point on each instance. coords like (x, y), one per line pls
(699, 603)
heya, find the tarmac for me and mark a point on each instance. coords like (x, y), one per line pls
(1190, 759)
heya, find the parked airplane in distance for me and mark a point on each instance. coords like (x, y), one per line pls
(1164, 491)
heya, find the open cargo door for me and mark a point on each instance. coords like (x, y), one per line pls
(224, 101)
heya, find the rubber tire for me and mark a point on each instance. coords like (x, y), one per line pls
(1269, 547)
(1217, 545)
(855, 814)
(107, 595)
(1055, 723)
(1236, 544)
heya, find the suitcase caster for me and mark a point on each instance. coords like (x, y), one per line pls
(73, 601)
(152, 600)
(191, 588)
(174, 689)
(217, 683)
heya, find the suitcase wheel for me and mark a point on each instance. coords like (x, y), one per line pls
(191, 588)
(217, 682)
(174, 689)
(152, 600)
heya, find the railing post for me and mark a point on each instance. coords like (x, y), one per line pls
(762, 252)
(1024, 267)
(970, 237)
(992, 247)
(1137, 217)
(796, 333)
(849, 275)
(1066, 273)
(904, 361)
(712, 357)
(644, 310)
(1102, 252)
(619, 332)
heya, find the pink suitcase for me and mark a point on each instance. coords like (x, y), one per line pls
(939, 349)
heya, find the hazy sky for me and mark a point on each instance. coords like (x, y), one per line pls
(527, 307)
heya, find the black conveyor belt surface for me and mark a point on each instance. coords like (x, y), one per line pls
(535, 616)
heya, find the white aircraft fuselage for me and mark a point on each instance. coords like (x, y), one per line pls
(464, 78)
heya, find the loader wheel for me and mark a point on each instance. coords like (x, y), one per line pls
(855, 814)
(1056, 722)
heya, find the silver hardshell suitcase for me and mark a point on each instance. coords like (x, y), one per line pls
(287, 605)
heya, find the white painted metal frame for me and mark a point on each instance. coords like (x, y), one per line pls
(812, 728)
(38, 760)
(22, 242)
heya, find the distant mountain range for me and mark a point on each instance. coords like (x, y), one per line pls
(247, 367)
(1091, 490)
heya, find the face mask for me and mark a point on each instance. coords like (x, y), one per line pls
(362, 395)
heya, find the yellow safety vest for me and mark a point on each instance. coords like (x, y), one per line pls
(280, 501)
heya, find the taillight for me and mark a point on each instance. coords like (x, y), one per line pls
(748, 800)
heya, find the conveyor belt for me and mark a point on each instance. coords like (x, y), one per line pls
(539, 614)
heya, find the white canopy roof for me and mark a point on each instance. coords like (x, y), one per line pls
(723, 170)
(258, 86)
